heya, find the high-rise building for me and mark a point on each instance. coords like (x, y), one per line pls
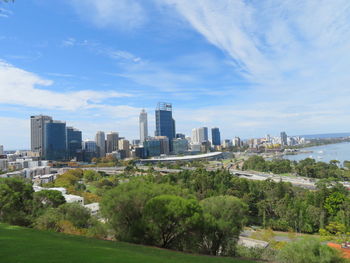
(101, 143)
(124, 145)
(236, 142)
(112, 142)
(37, 134)
(284, 137)
(165, 124)
(199, 135)
(164, 144)
(74, 142)
(55, 146)
(89, 150)
(1, 149)
(152, 147)
(143, 126)
(215, 137)
(180, 146)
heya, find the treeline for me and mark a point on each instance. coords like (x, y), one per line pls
(279, 206)
(46, 210)
(307, 167)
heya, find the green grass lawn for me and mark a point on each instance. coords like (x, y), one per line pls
(25, 245)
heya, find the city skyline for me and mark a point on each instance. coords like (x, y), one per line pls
(248, 74)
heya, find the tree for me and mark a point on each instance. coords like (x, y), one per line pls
(46, 198)
(308, 251)
(75, 213)
(224, 218)
(169, 218)
(16, 198)
(124, 205)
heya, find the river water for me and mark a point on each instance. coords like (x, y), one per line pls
(324, 153)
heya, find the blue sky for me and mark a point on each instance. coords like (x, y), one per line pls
(248, 67)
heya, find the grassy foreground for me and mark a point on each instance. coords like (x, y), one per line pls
(24, 245)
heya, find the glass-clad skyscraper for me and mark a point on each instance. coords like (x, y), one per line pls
(55, 140)
(215, 136)
(74, 142)
(165, 124)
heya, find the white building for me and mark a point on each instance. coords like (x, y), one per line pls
(94, 208)
(199, 135)
(143, 126)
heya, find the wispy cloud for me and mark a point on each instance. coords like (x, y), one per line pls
(22, 88)
(5, 13)
(121, 14)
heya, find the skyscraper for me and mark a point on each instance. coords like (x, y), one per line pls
(215, 136)
(165, 124)
(1, 149)
(143, 126)
(199, 135)
(55, 146)
(74, 142)
(112, 141)
(101, 143)
(284, 137)
(37, 134)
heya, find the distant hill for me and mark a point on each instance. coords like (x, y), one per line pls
(325, 135)
(25, 245)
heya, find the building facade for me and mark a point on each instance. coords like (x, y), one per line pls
(74, 143)
(112, 142)
(152, 147)
(37, 133)
(55, 145)
(143, 126)
(215, 137)
(199, 135)
(100, 140)
(165, 124)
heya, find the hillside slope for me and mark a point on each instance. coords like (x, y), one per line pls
(24, 245)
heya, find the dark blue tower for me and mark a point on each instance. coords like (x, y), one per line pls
(165, 124)
(55, 141)
(215, 136)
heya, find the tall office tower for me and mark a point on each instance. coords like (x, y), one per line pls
(284, 137)
(236, 142)
(74, 142)
(55, 145)
(124, 145)
(215, 136)
(1, 149)
(165, 124)
(112, 141)
(37, 135)
(143, 126)
(199, 135)
(101, 143)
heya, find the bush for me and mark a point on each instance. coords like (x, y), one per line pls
(308, 251)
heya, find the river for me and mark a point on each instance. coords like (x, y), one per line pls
(324, 153)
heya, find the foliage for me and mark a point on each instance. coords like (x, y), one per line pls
(224, 218)
(169, 218)
(124, 205)
(47, 198)
(16, 198)
(308, 251)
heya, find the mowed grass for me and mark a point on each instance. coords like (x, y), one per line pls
(25, 245)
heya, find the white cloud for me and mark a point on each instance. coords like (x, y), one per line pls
(5, 13)
(20, 87)
(123, 14)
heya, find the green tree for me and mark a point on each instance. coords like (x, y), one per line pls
(169, 218)
(16, 198)
(77, 214)
(124, 205)
(308, 251)
(224, 218)
(46, 198)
